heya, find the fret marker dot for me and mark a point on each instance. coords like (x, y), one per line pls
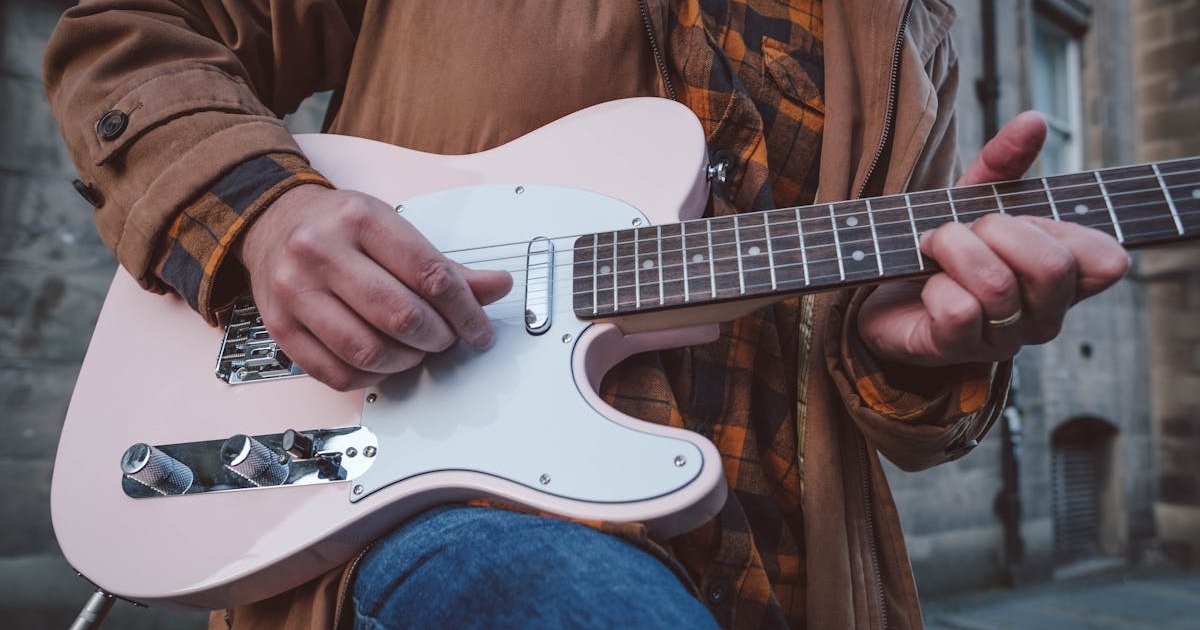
(858, 255)
(852, 221)
(1196, 193)
(698, 258)
(754, 250)
(605, 269)
(1081, 208)
(647, 264)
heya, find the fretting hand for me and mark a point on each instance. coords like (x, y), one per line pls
(1005, 282)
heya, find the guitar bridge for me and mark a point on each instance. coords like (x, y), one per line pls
(248, 353)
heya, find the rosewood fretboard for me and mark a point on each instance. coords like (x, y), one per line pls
(793, 250)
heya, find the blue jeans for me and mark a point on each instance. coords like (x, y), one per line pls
(467, 567)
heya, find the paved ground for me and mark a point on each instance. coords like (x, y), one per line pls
(1161, 600)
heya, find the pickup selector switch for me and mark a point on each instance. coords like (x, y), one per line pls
(254, 461)
(156, 470)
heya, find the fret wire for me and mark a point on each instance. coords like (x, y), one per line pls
(953, 211)
(837, 247)
(737, 244)
(875, 238)
(712, 270)
(1050, 198)
(687, 294)
(999, 201)
(661, 289)
(912, 222)
(1170, 200)
(770, 250)
(803, 249)
(637, 274)
(615, 275)
(1111, 213)
(595, 275)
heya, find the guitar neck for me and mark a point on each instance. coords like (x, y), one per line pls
(864, 241)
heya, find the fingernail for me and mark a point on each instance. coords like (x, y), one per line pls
(483, 340)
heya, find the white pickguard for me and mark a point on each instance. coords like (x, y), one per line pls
(531, 425)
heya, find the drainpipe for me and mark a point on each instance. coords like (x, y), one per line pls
(987, 88)
(1008, 500)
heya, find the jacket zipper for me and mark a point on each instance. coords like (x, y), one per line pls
(659, 60)
(872, 542)
(889, 121)
(889, 114)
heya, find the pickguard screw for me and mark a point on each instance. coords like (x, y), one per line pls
(566, 338)
(544, 479)
(680, 460)
(369, 451)
(372, 398)
(358, 489)
(399, 208)
(520, 189)
(351, 452)
(637, 222)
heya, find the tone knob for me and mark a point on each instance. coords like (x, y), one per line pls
(254, 461)
(156, 470)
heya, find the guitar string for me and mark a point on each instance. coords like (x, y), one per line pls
(808, 235)
(815, 281)
(1152, 179)
(955, 215)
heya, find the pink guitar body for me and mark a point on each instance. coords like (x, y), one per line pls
(520, 422)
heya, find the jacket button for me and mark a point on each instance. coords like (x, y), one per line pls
(112, 124)
(89, 193)
(717, 593)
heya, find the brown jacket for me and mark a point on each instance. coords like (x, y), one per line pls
(889, 126)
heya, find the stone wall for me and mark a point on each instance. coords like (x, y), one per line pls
(1167, 58)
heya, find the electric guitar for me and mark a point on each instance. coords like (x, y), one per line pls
(175, 486)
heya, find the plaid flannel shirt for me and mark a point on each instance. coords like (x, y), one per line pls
(752, 71)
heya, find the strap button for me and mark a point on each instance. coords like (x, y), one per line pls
(112, 124)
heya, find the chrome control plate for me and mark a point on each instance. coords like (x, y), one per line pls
(336, 455)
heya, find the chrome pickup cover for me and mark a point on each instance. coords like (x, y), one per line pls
(248, 353)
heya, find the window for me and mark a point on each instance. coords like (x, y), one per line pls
(1056, 94)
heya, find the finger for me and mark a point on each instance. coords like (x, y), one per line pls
(316, 359)
(1045, 269)
(968, 260)
(439, 281)
(1100, 261)
(1009, 154)
(488, 285)
(351, 340)
(958, 327)
(388, 305)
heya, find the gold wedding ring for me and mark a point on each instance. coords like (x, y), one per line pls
(1006, 321)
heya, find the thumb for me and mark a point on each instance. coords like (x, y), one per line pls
(488, 285)
(1009, 154)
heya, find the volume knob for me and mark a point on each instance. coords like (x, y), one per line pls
(156, 470)
(254, 461)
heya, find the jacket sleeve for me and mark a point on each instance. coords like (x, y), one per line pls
(917, 417)
(158, 100)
